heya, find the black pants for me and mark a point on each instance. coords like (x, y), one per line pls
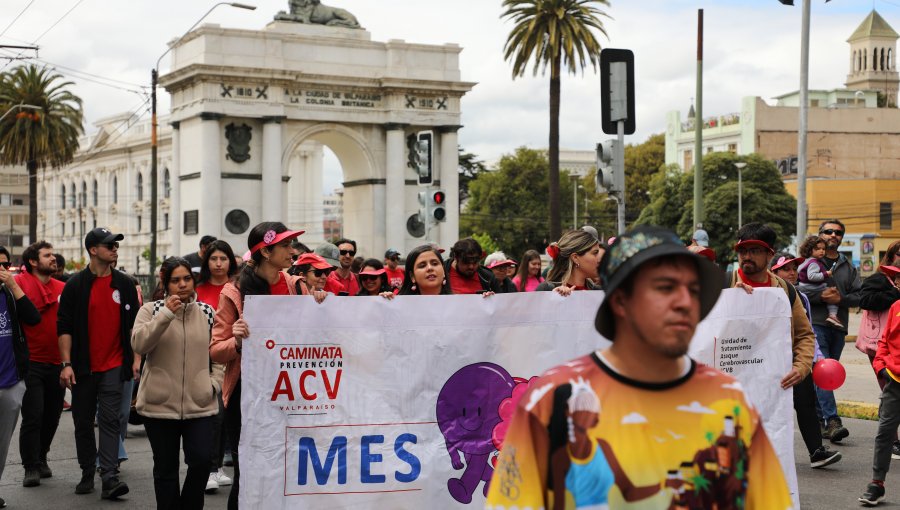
(41, 409)
(101, 390)
(166, 439)
(217, 452)
(807, 420)
(233, 426)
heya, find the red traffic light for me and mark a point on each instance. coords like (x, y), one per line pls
(438, 197)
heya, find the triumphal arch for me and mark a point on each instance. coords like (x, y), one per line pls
(252, 109)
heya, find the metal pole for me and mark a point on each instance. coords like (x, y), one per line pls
(698, 128)
(620, 161)
(574, 202)
(740, 200)
(804, 118)
(154, 75)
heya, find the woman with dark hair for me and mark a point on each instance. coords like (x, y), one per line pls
(216, 269)
(576, 258)
(270, 255)
(373, 280)
(313, 270)
(529, 276)
(425, 273)
(177, 394)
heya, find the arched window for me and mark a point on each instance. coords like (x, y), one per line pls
(889, 61)
(167, 184)
(82, 200)
(62, 196)
(853, 62)
(115, 190)
(859, 61)
(865, 59)
(140, 186)
(94, 194)
(72, 199)
(881, 60)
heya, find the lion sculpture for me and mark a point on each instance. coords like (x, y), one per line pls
(315, 13)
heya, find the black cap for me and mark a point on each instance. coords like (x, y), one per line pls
(391, 253)
(637, 246)
(100, 236)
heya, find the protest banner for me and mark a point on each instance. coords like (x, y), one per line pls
(352, 403)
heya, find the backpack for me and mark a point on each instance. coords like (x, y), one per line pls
(787, 287)
(205, 308)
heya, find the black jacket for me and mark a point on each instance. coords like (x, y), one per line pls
(846, 279)
(72, 318)
(485, 276)
(507, 286)
(877, 293)
(21, 310)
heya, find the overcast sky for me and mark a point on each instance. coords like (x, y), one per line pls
(752, 48)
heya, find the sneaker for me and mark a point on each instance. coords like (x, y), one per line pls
(835, 431)
(113, 488)
(66, 406)
(45, 470)
(834, 321)
(223, 479)
(874, 494)
(895, 450)
(823, 430)
(86, 485)
(212, 485)
(2, 503)
(823, 457)
(228, 461)
(32, 478)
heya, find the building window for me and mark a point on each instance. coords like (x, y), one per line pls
(865, 59)
(709, 150)
(813, 103)
(115, 190)
(73, 228)
(688, 159)
(140, 186)
(82, 200)
(732, 148)
(62, 195)
(167, 184)
(191, 222)
(890, 56)
(885, 215)
(72, 199)
(94, 194)
(165, 221)
(140, 223)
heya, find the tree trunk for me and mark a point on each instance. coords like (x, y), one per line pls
(553, 152)
(32, 201)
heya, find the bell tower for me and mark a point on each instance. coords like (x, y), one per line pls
(873, 54)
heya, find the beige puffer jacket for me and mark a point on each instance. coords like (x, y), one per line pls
(177, 382)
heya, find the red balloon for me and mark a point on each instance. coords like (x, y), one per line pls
(829, 374)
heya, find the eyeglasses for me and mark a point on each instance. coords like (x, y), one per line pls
(321, 272)
(110, 246)
(753, 252)
(472, 260)
(5, 265)
(348, 252)
(295, 257)
(369, 277)
(830, 231)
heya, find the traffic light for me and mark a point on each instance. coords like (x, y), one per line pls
(608, 179)
(436, 205)
(423, 207)
(419, 156)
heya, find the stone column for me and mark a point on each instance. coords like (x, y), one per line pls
(211, 175)
(175, 209)
(395, 164)
(449, 175)
(271, 169)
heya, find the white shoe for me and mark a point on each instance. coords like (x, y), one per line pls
(212, 485)
(221, 478)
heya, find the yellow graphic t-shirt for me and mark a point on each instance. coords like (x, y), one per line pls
(586, 437)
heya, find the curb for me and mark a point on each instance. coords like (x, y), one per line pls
(859, 410)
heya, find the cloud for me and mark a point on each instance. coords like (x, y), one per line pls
(733, 386)
(633, 419)
(696, 407)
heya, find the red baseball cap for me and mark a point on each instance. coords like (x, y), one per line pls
(372, 272)
(314, 260)
(272, 237)
(783, 261)
(890, 271)
(754, 242)
(501, 263)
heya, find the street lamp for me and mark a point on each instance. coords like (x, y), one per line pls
(17, 107)
(740, 165)
(154, 80)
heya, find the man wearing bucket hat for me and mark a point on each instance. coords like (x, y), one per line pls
(646, 395)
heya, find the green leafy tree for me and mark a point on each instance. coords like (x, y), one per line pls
(553, 33)
(38, 138)
(469, 167)
(765, 200)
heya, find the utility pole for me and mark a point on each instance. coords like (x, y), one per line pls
(804, 119)
(698, 128)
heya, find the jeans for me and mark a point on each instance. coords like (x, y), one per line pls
(233, 426)
(10, 403)
(124, 413)
(166, 439)
(888, 420)
(41, 409)
(831, 343)
(101, 390)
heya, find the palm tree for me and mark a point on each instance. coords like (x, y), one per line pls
(38, 138)
(553, 33)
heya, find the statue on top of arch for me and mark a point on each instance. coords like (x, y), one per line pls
(315, 13)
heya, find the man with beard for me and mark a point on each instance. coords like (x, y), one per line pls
(650, 396)
(343, 277)
(463, 271)
(846, 294)
(755, 249)
(43, 400)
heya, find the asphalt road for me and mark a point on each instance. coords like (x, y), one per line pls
(834, 487)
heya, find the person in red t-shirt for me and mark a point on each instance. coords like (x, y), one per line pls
(392, 268)
(463, 271)
(331, 255)
(342, 275)
(42, 403)
(314, 271)
(217, 269)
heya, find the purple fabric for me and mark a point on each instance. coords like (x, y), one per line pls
(804, 269)
(9, 376)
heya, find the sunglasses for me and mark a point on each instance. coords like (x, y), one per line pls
(110, 246)
(321, 272)
(348, 252)
(829, 231)
(753, 252)
(369, 277)
(5, 265)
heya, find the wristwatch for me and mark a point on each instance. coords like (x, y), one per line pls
(65, 364)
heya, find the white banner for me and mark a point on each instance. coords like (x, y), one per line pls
(339, 399)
